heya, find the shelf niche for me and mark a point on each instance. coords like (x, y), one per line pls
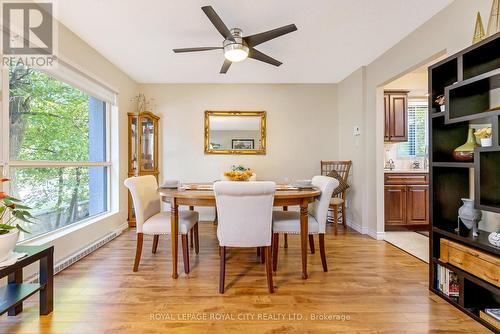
(487, 190)
(447, 137)
(442, 76)
(473, 98)
(481, 60)
(448, 181)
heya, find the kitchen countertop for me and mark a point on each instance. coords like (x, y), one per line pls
(413, 171)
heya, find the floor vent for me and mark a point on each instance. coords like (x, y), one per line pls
(65, 263)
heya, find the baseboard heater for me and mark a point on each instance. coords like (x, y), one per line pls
(75, 257)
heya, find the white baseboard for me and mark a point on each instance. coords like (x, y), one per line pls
(84, 251)
(365, 230)
(355, 226)
(376, 235)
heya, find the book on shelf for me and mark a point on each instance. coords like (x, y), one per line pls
(448, 282)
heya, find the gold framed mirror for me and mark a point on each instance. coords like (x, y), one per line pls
(235, 132)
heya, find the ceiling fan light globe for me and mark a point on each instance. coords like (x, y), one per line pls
(236, 55)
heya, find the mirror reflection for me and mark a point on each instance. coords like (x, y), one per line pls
(235, 132)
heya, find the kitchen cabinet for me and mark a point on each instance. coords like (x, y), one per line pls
(396, 116)
(406, 197)
(395, 205)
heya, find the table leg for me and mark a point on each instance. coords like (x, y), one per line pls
(16, 278)
(304, 235)
(174, 225)
(47, 279)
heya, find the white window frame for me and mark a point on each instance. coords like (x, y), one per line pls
(420, 102)
(6, 164)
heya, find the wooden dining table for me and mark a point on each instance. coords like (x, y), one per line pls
(203, 195)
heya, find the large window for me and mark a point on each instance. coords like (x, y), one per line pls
(417, 143)
(58, 152)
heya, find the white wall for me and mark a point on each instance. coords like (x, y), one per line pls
(351, 92)
(302, 128)
(448, 31)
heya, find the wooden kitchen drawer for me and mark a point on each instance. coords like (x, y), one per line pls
(475, 262)
(406, 178)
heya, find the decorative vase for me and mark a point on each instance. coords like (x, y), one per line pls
(494, 238)
(469, 215)
(8, 242)
(465, 152)
(486, 142)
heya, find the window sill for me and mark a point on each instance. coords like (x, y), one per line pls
(62, 232)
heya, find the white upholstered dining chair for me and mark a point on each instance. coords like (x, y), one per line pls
(151, 220)
(245, 212)
(225, 178)
(289, 221)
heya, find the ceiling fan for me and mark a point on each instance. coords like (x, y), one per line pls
(236, 47)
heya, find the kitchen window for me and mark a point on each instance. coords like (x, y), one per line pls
(417, 143)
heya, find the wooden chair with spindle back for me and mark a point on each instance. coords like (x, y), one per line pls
(343, 168)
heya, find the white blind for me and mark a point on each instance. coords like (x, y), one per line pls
(417, 130)
(69, 74)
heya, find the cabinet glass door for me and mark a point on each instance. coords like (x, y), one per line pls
(133, 145)
(147, 141)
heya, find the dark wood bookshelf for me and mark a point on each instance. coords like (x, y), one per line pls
(480, 242)
(466, 79)
(454, 164)
(466, 275)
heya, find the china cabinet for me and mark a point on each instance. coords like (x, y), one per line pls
(142, 150)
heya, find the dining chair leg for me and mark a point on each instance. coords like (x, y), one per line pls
(185, 252)
(262, 255)
(322, 251)
(222, 268)
(191, 243)
(215, 218)
(155, 243)
(138, 251)
(335, 218)
(276, 241)
(196, 239)
(269, 272)
(311, 243)
(344, 217)
(285, 243)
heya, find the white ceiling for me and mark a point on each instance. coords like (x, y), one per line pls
(334, 37)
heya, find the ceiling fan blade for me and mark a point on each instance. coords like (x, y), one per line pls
(225, 66)
(256, 54)
(197, 49)
(217, 22)
(254, 40)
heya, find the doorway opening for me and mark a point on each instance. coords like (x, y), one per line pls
(406, 162)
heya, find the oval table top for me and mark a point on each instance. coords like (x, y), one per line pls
(208, 194)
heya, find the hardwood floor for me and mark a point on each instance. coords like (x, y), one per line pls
(372, 285)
